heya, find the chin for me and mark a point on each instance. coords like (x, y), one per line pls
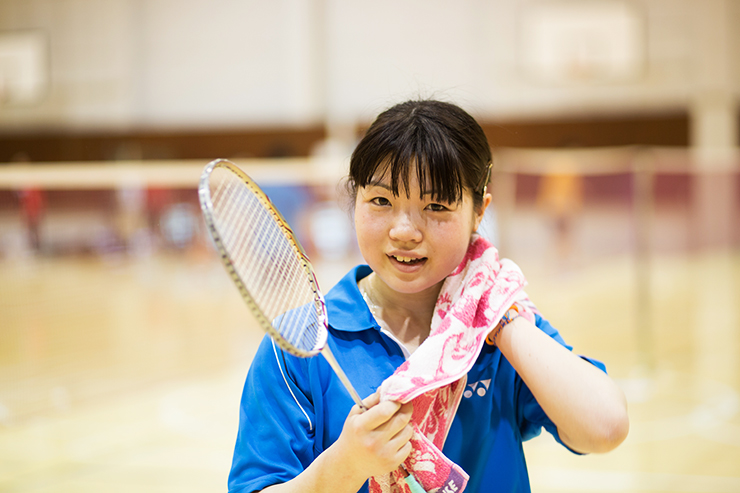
(414, 287)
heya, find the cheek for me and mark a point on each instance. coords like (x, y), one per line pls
(367, 228)
(460, 229)
(453, 239)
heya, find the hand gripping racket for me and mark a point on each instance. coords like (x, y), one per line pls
(269, 267)
(267, 263)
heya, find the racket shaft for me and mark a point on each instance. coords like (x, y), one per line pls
(326, 352)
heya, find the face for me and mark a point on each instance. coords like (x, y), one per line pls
(412, 243)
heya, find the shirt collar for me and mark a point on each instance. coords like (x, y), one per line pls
(345, 307)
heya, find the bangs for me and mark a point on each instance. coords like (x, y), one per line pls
(424, 151)
(442, 144)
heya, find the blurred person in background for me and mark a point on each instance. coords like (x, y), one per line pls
(33, 204)
(560, 198)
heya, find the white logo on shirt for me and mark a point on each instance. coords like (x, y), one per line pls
(479, 388)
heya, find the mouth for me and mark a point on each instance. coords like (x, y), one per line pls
(408, 260)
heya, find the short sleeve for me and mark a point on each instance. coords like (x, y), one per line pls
(531, 416)
(275, 441)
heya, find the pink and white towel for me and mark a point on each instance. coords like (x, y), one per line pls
(471, 303)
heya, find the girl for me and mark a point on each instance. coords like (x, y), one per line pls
(419, 183)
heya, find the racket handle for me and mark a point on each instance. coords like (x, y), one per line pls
(326, 352)
(414, 485)
(410, 480)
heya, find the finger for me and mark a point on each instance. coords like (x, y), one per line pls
(401, 444)
(368, 402)
(404, 452)
(407, 408)
(371, 400)
(404, 434)
(398, 421)
(379, 414)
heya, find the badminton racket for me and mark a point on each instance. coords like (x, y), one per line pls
(269, 267)
(267, 263)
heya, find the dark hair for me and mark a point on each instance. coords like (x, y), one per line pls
(443, 142)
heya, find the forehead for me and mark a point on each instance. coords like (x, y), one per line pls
(409, 177)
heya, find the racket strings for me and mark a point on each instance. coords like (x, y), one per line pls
(245, 216)
(250, 256)
(247, 256)
(269, 265)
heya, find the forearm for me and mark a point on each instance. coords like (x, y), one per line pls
(327, 473)
(587, 407)
(372, 443)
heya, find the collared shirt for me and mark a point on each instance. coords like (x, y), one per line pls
(292, 409)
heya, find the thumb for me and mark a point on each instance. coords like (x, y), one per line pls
(368, 402)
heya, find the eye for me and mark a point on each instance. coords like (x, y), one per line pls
(381, 201)
(437, 207)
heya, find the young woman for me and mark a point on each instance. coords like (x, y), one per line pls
(418, 179)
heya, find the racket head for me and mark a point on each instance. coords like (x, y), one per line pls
(263, 258)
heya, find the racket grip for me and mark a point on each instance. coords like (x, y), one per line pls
(414, 485)
(326, 352)
(411, 481)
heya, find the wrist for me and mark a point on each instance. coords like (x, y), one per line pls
(508, 317)
(339, 470)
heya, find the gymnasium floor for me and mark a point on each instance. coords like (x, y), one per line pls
(123, 372)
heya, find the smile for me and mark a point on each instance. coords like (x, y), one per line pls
(408, 260)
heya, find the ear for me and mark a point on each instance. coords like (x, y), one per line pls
(481, 212)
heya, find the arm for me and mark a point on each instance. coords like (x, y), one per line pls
(279, 416)
(372, 443)
(587, 407)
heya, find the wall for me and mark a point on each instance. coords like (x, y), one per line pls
(118, 65)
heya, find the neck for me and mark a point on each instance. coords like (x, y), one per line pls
(408, 316)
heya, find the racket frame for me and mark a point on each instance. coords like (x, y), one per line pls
(204, 194)
(321, 346)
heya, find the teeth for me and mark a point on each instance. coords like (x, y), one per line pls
(405, 260)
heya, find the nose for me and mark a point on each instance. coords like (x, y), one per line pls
(405, 228)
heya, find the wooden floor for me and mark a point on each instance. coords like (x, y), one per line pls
(123, 372)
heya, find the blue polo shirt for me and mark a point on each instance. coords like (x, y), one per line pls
(292, 409)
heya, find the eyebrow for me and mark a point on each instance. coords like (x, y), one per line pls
(389, 188)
